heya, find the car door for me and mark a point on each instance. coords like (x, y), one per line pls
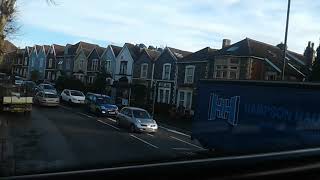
(121, 116)
(65, 95)
(128, 118)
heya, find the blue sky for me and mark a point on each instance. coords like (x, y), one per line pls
(184, 24)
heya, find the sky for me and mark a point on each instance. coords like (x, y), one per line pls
(184, 24)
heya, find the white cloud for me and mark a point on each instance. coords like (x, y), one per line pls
(190, 24)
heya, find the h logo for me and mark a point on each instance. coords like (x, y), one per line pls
(224, 108)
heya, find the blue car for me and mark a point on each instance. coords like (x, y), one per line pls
(101, 105)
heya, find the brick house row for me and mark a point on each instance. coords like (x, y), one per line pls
(170, 74)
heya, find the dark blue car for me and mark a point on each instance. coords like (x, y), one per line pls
(101, 105)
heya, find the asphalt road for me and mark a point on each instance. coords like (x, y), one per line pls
(68, 138)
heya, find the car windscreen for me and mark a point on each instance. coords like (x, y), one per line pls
(76, 93)
(141, 114)
(50, 96)
(104, 100)
(48, 87)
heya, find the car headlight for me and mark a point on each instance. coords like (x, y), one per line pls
(138, 121)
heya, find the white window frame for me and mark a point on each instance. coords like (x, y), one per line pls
(95, 65)
(163, 71)
(108, 66)
(50, 63)
(186, 75)
(185, 99)
(164, 100)
(49, 75)
(125, 71)
(26, 61)
(144, 75)
(90, 79)
(222, 66)
(68, 64)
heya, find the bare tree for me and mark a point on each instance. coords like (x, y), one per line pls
(7, 20)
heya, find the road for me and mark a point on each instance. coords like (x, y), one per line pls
(68, 138)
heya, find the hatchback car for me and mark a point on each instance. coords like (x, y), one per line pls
(46, 99)
(73, 96)
(137, 120)
(101, 104)
(46, 88)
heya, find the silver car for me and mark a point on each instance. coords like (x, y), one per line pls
(137, 120)
(46, 88)
(46, 99)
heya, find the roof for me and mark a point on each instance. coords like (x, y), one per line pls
(271, 54)
(179, 54)
(202, 55)
(153, 54)
(83, 45)
(38, 48)
(9, 47)
(134, 50)
(116, 49)
(59, 49)
(46, 48)
(100, 50)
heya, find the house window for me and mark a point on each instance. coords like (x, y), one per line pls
(24, 72)
(50, 63)
(53, 77)
(68, 64)
(26, 61)
(164, 95)
(271, 76)
(60, 64)
(189, 74)
(166, 71)
(49, 75)
(90, 79)
(123, 67)
(108, 66)
(94, 65)
(185, 98)
(227, 69)
(144, 70)
(41, 63)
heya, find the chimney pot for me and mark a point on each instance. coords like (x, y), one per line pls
(226, 43)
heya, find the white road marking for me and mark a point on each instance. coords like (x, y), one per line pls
(181, 149)
(85, 115)
(144, 141)
(176, 132)
(112, 119)
(149, 134)
(186, 142)
(108, 124)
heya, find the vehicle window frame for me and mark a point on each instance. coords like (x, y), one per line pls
(130, 111)
(124, 111)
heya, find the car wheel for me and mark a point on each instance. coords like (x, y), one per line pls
(132, 128)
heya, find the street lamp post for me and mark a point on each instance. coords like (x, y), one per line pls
(285, 41)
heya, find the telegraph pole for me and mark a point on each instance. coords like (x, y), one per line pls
(285, 41)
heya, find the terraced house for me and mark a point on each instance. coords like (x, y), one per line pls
(143, 72)
(37, 60)
(253, 60)
(108, 61)
(191, 69)
(165, 74)
(54, 57)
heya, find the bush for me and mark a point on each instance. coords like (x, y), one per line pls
(65, 82)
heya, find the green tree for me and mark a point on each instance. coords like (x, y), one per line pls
(100, 83)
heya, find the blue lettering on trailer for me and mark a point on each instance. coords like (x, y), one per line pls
(224, 108)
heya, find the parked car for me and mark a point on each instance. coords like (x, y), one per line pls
(46, 99)
(72, 96)
(18, 80)
(46, 88)
(137, 120)
(100, 104)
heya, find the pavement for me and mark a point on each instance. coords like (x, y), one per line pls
(69, 138)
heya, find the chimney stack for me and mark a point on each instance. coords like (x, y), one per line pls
(226, 43)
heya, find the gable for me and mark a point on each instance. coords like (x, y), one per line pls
(124, 55)
(165, 57)
(93, 55)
